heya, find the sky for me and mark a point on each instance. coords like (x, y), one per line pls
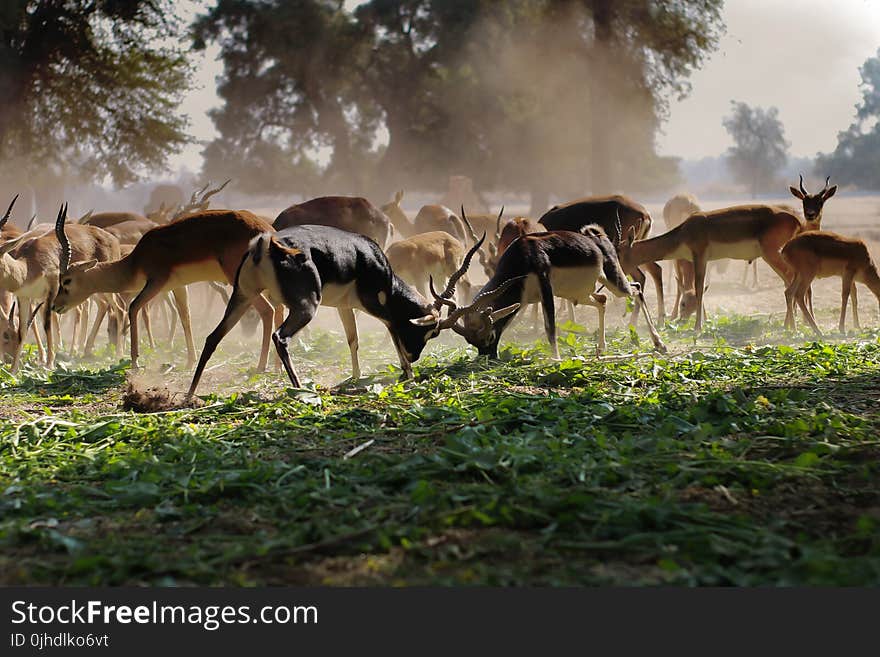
(801, 56)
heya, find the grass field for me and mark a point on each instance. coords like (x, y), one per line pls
(733, 460)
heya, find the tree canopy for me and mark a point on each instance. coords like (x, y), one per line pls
(92, 86)
(538, 95)
(760, 149)
(856, 160)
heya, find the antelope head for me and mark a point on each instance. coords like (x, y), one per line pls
(71, 291)
(813, 203)
(394, 212)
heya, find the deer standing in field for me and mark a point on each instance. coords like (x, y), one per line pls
(351, 213)
(534, 269)
(743, 232)
(821, 254)
(305, 267)
(201, 247)
(435, 255)
(617, 215)
(30, 267)
(429, 218)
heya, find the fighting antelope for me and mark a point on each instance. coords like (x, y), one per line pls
(429, 218)
(436, 255)
(534, 269)
(351, 213)
(743, 232)
(305, 267)
(617, 215)
(820, 254)
(206, 246)
(30, 267)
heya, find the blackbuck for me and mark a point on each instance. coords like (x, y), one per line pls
(202, 247)
(821, 254)
(743, 232)
(429, 218)
(30, 267)
(351, 213)
(436, 255)
(305, 267)
(813, 203)
(533, 269)
(617, 215)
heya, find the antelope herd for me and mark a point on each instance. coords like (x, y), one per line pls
(346, 253)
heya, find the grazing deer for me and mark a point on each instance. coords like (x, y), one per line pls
(436, 255)
(351, 213)
(305, 267)
(429, 218)
(820, 254)
(617, 215)
(743, 232)
(206, 246)
(30, 267)
(533, 269)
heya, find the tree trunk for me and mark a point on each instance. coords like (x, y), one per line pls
(601, 171)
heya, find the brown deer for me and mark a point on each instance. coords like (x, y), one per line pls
(743, 232)
(436, 255)
(429, 218)
(351, 213)
(821, 254)
(206, 246)
(675, 211)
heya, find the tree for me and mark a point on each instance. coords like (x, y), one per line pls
(856, 160)
(91, 87)
(759, 149)
(501, 92)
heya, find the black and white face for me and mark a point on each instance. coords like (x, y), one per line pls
(813, 203)
(412, 339)
(481, 332)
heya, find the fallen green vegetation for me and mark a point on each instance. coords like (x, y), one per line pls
(722, 463)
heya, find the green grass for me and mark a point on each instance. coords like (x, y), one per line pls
(734, 460)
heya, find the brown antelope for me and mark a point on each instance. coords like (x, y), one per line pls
(30, 267)
(351, 213)
(206, 246)
(429, 218)
(821, 254)
(617, 215)
(534, 269)
(675, 211)
(436, 255)
(308, 266)
(743, 232)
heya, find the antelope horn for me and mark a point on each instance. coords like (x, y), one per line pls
(8, 212)
(85, 218)
(498, 224)
(453, 280)
(439, 300)
(803, 191)
(212, 192)
(32, 221)
(482, 300)
(619, 227)
(468, 224)
(62, 239)
(827, 180)
(33, 316)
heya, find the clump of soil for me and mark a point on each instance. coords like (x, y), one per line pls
(144, 398)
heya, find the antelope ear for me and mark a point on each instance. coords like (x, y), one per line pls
(631, 236)
(829, 193)
(398, 197)
(495, 315)
(796, 192)
(427, 320)
(85, 265)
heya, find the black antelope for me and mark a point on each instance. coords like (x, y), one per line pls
(305, 267)
(533, 269)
